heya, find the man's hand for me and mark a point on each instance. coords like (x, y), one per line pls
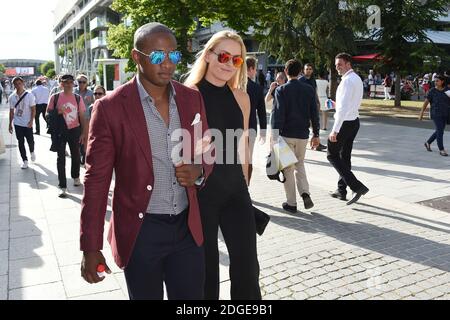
(83, 140)
(10, 128)
(315, 141)
(187, 174)
(89, 266)
(30, 124)
(333, 136)
(273, 85)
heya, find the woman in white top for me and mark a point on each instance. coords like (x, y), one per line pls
(7, 90)
(322, 92)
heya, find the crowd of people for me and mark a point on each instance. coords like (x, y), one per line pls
(170, 201)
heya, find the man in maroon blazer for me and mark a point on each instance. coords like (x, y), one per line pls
(155, 229)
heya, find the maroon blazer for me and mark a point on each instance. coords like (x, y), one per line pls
(118, 139)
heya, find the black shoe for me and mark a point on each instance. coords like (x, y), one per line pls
(427, 146)
(307, 201)
(320, 147)
(38, 133)
(358, 195)
(291, 209)
(338, 195)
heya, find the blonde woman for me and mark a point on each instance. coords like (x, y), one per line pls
(220, 74)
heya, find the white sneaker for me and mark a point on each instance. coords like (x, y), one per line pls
(24, 165)
(77, 182)
(33, 156)
(62, 193)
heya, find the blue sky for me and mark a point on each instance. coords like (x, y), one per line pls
(26, 29)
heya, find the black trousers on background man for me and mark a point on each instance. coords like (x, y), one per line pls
(339, 154)
(72, 137)
(166, 252)
(40, 109)
(23, 133)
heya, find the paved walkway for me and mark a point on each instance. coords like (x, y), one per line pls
(385, 247)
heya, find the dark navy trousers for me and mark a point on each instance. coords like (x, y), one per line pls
(165, 252)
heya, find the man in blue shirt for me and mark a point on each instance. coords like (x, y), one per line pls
(295, 109)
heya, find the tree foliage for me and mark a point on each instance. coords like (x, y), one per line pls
(176, 14)
(47, 66)
(2, 69)
(402, 38)
(311, 31)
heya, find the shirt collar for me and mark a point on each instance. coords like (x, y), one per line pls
(143, 94)
(347, 73)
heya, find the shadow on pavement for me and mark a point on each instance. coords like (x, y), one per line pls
(370, 237)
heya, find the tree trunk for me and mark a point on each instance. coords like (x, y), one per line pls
(398, 94)
(333, 82)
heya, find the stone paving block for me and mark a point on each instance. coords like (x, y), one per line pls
(3, 262)
(267, 281)
(64, 232)
(28, 228)
(311, 282)
(4, 240)
(298, 287)
(3, 287)
(284, 293)
(313, 292)
(33, 271)
(433, 293)
(68, 253)
(300, 296)
(273, 297)
(107, 296)
(281, 276)
(76, 286)
(49, 291)
(28, 247)
(307, 275)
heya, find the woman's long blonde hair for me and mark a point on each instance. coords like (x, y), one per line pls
(198, 71)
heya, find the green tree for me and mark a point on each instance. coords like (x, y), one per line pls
(402, 38)
(47, 66)
(305, 29)
(177, 14)
(2, 70)
(50, 73)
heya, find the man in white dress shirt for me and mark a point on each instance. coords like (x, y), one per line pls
(41, 94)
(346, 125)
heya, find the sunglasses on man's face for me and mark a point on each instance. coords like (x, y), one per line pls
(158, 56)
(224, 57)
(98, 93)
(82, 82)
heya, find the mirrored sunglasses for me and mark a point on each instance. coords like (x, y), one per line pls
(158, 56)
(224, 57)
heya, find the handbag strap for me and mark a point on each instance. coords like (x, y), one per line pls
(21, 98)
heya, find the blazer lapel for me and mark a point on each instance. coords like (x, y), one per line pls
(186, 112)
(133, 110)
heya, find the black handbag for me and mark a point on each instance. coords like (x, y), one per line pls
(261, 220)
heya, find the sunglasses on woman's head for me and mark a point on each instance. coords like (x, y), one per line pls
(158, 56)
(224, 57)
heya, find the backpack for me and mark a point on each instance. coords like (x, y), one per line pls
(55, 103)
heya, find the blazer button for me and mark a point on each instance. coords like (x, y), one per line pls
(141, 215)
(149, 188)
